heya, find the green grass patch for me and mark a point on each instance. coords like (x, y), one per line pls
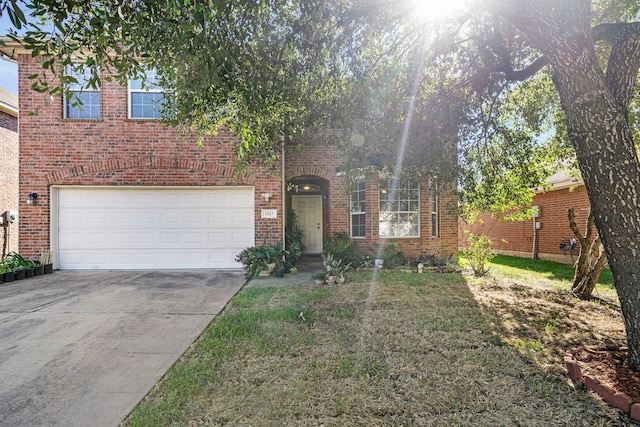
(526, 268)
(386, 348)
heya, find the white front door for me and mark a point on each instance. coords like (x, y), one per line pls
(309, 212)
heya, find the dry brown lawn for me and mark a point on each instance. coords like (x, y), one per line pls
(390, 349)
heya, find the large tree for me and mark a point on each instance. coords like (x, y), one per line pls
(595, 99)
(268, 67)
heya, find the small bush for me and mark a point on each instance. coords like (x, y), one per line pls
(341, 247)
(393, 257)
(479, 253)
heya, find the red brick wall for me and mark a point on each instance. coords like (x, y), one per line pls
(8, 180)
(117, 151)
(555, 226)
(314, 159)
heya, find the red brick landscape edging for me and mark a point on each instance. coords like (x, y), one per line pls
(618, 400)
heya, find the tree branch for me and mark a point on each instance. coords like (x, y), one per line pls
(624, 60)
(508, 74)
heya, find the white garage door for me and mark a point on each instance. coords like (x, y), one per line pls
(142, 228)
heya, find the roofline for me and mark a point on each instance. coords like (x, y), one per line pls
(559, 186)
(9, 109)
(12, 48)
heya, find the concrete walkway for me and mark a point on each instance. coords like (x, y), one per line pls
(83, 348)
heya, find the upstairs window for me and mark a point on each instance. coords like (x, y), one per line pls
(146, 100)
(399, 210)
(83, 101)
(358, 209)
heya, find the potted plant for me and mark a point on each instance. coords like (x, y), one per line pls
(45, 260)
(281, 256)
(340, 271)
(335, 268)
(15, 267)
(258, 260)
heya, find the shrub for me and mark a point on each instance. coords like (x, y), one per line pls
(392, 257)
(479, 253)
(340, 247)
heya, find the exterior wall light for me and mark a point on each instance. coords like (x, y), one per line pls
(32, 198)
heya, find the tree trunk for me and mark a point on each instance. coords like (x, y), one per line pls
(605, 150)
(590, 262)
(596, 108)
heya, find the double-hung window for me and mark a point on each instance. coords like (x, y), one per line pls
(434, 215)
(82, 101)
(358, 209)
(146, 99)
(399, 209)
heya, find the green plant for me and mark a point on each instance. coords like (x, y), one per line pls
(293, 238)
(341, 247)
(14, 261)
(479, 253)
(392, 257)
(255, 259)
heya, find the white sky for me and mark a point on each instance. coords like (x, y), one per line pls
(8, 70)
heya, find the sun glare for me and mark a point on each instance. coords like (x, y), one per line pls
(437, 9)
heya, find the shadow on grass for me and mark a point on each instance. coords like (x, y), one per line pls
(548, 269)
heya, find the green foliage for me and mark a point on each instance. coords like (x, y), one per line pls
(256, 259)
(293, 238)
(392, 257)
(336, 266)
(14, 261)
(340, 247)
(479, 253)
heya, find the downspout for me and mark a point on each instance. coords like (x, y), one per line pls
(284, 198)
(534, 254)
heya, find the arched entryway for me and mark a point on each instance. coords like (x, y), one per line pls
(306, 199)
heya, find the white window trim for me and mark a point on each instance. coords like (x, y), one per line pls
(418, 232)
(352, 212)
(131, 91)
(79, 88)
(435, 204)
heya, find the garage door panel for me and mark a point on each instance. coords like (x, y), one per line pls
(124, 228)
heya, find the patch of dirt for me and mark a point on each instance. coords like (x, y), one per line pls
(607, 365)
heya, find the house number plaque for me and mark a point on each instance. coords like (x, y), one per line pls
(269, 213)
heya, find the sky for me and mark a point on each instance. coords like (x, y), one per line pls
(8, 70)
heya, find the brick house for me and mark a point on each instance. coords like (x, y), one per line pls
(8, 170)
(117, 189)
(517, 237)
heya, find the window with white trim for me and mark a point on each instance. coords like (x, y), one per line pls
(358, 209)
(83, 101)
(146, 99)
(399, 209)
(434, 215)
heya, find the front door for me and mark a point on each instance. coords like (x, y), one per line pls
(309, 212)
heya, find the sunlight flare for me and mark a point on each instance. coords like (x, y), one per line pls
(436, 9)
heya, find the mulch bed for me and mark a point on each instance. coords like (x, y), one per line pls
(602, 370)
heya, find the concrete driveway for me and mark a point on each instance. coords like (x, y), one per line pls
(82, 348)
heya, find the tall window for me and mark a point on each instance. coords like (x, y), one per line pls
(84, 102)
(399, 212)
(434, 215)
(358, 209)
(146, 100)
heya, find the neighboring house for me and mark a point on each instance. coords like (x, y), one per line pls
(8, 171)
(523, 238)
(117, 189)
